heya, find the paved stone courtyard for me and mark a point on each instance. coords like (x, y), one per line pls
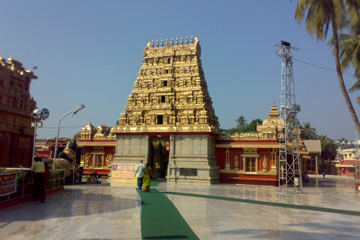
(327, 209)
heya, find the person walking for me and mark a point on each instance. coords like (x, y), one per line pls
(147, 177)
(39, 180)
(323, 173)
(139, 173)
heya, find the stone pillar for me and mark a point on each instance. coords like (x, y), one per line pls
(132, 148)
(192, 159)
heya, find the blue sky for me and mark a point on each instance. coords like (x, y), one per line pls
(90, 52)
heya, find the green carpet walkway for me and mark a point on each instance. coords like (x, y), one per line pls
(160, 219)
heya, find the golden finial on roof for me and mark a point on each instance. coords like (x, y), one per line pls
(274, 111)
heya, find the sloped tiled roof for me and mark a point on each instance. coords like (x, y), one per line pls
(313, 146)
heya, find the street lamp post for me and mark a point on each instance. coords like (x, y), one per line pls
(78, 108)
(38, 116)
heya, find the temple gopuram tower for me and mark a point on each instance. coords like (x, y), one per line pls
(169, 120)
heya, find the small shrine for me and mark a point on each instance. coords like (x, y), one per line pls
(98, 149)
(251, 158)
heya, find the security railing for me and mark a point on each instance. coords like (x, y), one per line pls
(24, 182)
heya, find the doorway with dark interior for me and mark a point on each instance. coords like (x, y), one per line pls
(159, 157)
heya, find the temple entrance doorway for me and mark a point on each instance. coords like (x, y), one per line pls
(159, 157)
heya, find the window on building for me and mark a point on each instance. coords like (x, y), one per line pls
(166, 71)
(159, 119)
(351, 169)
(162, 99)
(250, 164)
(168, 60)
(165, 83)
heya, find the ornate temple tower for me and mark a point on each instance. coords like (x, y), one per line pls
(16, 105)
(169, 120)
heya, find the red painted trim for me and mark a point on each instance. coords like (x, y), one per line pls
(248, 179)
(99, 172)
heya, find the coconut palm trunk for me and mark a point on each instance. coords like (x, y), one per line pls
(340, 77)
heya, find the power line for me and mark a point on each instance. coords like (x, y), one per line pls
(66, 127)
(320, 67)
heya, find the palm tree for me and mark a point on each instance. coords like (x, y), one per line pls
(328, 148)
(307, 132)
(342, 139)
(349, 45)
(241, 122)
(320, 14)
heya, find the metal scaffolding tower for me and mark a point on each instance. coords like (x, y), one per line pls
(289, 164)
(357, 162)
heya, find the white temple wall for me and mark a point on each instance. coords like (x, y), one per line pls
(192, 159)
(132, 149)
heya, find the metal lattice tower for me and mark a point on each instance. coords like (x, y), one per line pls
(289, 164)
(357, 162)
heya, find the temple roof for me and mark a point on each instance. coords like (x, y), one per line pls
(89, 128)
(170, 93)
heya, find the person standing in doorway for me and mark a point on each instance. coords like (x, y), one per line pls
(39, 180)
(139, 173)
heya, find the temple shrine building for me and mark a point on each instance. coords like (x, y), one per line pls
(16, 106)
(169, 122)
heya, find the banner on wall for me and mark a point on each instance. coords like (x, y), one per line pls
(123, 174)
(7, 183)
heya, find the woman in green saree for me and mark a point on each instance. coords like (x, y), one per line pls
(147, 177)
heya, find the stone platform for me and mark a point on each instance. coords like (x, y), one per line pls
(327, 209)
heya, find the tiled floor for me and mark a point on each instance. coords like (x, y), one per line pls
(102, 212)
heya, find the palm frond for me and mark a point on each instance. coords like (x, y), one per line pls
(355, 87)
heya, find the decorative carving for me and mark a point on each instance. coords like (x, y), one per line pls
(265, 163)
(170, 90)
(236, 163)
(87, 159)
(110, 158)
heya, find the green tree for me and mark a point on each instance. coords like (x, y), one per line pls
(223, 131)
(231, 131)
(241, 122)
(328, 148)
(246, 128)
(251, 127)
(307, 132)
(319, 16)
